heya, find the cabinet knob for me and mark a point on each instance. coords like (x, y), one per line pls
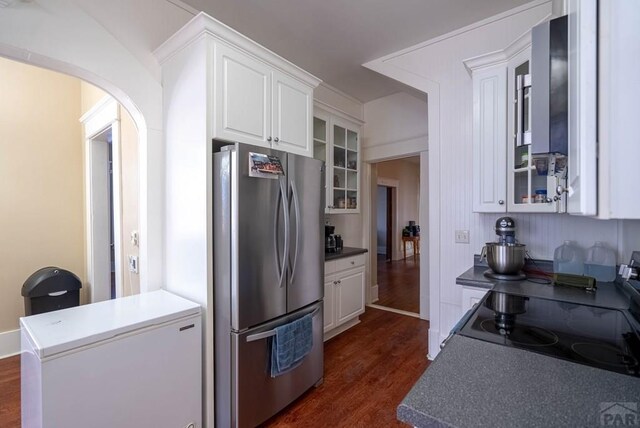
(352, 262)
(276, 139)
(268, 138)
(500, 202)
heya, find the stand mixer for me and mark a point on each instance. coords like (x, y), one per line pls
(505, 257)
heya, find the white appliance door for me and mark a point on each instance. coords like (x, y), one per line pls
(147, 378)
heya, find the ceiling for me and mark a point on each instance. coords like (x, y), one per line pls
(333, 38)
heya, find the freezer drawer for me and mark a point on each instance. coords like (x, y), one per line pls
(258, 396)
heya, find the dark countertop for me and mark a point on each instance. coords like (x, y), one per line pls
(345, 252)
(500, 386)
(607, 294)
(473, 383)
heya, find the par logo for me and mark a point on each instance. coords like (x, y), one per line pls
(619, 414)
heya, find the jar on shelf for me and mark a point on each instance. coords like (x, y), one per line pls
(540, 196)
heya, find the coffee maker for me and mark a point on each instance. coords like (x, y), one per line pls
(329, 239)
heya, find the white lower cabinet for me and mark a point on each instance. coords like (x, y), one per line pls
(343, 294)
(471, 296)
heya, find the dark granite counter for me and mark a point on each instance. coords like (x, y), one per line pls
(607, 295)
(479, 384)
(475, 383)
(345, 252)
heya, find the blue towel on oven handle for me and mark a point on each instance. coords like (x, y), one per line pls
(291, 343)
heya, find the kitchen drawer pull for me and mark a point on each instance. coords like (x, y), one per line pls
(270, 333)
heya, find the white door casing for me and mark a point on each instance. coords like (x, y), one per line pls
(104, 115)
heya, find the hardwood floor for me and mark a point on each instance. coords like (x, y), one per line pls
(10, 392)
(399, 284)
(368, 371)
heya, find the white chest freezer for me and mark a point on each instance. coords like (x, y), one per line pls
(129, 362)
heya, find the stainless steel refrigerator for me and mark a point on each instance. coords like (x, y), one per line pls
(268, 271)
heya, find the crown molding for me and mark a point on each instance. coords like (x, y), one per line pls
(203, 24)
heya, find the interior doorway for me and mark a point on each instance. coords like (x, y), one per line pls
(385, 222)
(104, 266)
(397, 210)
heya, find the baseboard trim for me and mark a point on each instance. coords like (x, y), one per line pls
(374, 293)
(396, 311)
(9, 343)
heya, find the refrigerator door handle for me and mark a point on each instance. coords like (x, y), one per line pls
(296, 208)
(269, 333)
(287, 231)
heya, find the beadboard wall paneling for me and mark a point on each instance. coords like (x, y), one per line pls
(543, 233)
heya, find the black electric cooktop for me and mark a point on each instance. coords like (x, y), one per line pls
(590, 335)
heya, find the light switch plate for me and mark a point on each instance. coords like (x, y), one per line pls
(462, 236)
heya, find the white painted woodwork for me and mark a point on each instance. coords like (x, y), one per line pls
(329, 306)
(242, 101)
(332, 119)
(344, 297)
(292, 115)
(618, 95)
(490, 139)
(583, 108)
(350, 295)
(471, 296)
(259, 98)
(514, 201)
(98, 204)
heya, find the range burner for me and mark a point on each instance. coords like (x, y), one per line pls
(520, 276)
(521, 334)
(601, 353)
(594, 336)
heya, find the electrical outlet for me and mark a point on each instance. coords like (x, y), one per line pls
(134, 238)
(133, 264)
(462, 236)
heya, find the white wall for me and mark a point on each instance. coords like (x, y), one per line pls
(394, 124)
(92, 43)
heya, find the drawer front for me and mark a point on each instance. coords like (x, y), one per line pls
(349, 262)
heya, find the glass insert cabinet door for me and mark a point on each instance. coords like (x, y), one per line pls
(336, 143)
(345, 168)
(528, 181)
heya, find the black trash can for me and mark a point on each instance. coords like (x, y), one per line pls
(49, 289)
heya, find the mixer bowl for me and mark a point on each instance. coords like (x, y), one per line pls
(505, 259)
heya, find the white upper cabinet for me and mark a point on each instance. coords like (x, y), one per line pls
(253, 95)
(292, 115)
(243, 97)
(336, 142)
(489, 139)
(504, 174)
